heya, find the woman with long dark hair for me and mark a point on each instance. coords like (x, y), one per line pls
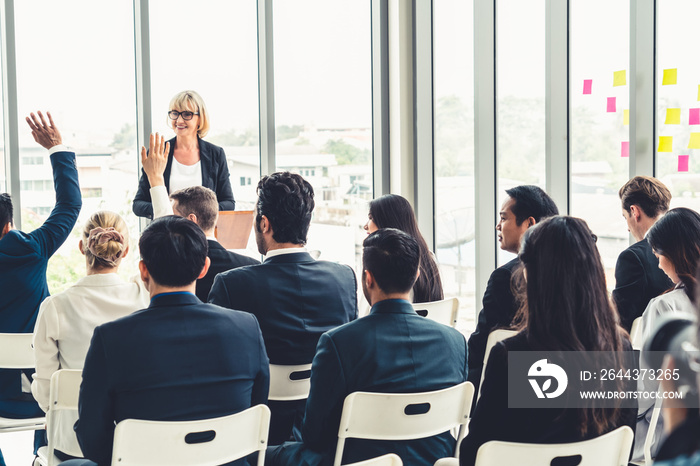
(393, 211)
(566, 308)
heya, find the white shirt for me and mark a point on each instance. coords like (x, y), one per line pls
(279, 252)
(184, 176)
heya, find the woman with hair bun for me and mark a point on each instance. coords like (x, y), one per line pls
(67, 320)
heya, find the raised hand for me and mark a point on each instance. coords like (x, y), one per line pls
(155, 160)
(47, 135)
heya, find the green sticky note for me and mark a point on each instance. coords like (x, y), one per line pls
(666, 143)
(673, 116)
(694, 141)
(670, 77)
(625, 117)
(619, 78)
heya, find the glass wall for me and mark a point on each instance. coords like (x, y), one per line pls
(323, 116)
(453, 81)
(88, 85)
(678, 106)
(599, 112)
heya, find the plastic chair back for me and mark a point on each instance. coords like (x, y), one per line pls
(636, 334)
(494, 337)
(64, 392)
(16, 351)
(611, 449)
(404, 416)
(208, 442)
(385, 460)
(289, 383)
(445, 311)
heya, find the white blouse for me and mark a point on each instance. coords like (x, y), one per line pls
(184, 176)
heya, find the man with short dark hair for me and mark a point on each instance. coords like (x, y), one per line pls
(294, 297)
(525, 206)
(392, 350)
(196, 203)
(638, 278)
(23, 262)
(179, 359)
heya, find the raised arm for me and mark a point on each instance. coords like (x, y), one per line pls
(58, 226)
(154, 162)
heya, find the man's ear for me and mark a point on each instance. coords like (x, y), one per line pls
(635, 212)
(6, 229)
(145, 276)
(531, 222)
(368, 278)
(205, 269)
(264, 224)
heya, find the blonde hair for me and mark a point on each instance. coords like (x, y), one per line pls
(105, 252)
(193, 102)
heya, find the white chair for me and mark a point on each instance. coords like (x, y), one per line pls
(383, 416)
(445, 311)
(16, 352)
(64, 392)
(385, 460)
(208, 442)
(289, 383)
(494, 337)
(636, 334)
(611, 449)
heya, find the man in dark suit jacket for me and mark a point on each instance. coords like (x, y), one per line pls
(524, 207)
(196, 203)
(179, 359)
(638, 278)
(294, 297)
(24, 258)
(392, 350)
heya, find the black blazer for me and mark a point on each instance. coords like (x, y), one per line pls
(493, 420)
(638, 279)
(221, 261)
(215, 176)
(179, 359)
(498, 311)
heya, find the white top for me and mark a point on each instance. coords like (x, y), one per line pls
(281, 251)
(67, 321)
(184, 176)
(673, 301)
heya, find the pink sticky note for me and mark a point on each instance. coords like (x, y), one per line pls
(683, 163)
(625, 149)
(694, 118)
(587, 86)
(612, 107)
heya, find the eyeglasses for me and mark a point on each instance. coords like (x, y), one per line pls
(185, 115)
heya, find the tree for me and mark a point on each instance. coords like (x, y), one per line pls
(346, 154)
(125, 138)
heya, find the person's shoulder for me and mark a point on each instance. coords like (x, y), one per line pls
(209, 147)
(242, 259)
(334, 266)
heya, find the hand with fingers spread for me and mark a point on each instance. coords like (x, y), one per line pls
(155, 160)
(47, 135)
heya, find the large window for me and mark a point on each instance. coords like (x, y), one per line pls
(678, 103)
(454, 152)
(599, 104)
(323, 116)
(83, 72)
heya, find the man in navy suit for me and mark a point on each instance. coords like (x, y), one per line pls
(179, 359)
(638, 277)
(24, 258)
(392, 350)
(294, 297)
(196, 203)
(525, 206)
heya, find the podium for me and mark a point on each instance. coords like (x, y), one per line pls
(233, 228)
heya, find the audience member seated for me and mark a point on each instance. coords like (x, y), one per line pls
(675, 240)
(23, 260)
(637, 275)
(525, 206)
(394, 211)
(294, 297)
(179, 359)
(392, 350)
(191, 161)
(567, 310)
(67, 320)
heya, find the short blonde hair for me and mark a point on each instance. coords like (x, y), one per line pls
(100, 258)
(193, 102)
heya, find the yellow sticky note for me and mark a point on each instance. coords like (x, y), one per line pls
(619, 78)
(694, 141)
(666, 143)
(673, 116)
(698, 92)
(625, 117)
(670, 77)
